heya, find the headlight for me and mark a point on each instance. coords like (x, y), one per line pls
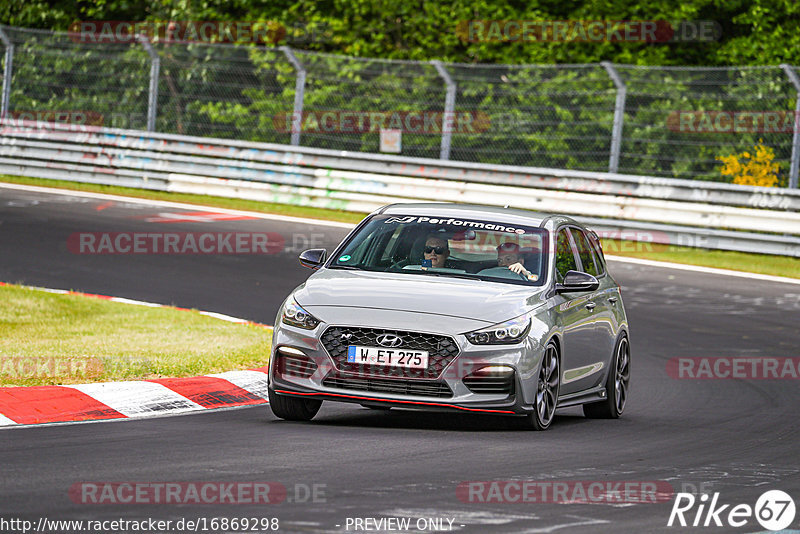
(507, 333)
(294, 315)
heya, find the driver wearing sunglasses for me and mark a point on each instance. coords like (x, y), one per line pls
(437, 250)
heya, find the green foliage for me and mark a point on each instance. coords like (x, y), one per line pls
(542, 116)
(753, 31)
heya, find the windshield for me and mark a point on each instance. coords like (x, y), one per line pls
(418, 245)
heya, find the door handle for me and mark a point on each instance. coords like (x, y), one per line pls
(612, 300)
(590, 306)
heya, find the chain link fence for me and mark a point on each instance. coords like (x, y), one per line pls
(656, 121)
(655, 94)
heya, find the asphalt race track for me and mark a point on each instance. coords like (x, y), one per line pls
(736, 437)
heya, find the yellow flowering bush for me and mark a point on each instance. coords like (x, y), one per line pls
(749, 169)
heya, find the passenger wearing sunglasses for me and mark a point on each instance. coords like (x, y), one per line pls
(437, 250)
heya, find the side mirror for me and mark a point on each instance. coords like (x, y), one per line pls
(575, 281)
(313, 258)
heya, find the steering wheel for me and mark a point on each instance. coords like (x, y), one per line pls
(398, 265)
(502, 272)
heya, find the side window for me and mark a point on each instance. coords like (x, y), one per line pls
(584, 252)
(594, 241)
(565, 259)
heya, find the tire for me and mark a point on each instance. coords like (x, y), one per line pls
(617, 385)
(293, 408)
(547, 388)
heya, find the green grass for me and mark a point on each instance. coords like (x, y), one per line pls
(720, 259)
(736, 261)
(201, 200)
(48, 338)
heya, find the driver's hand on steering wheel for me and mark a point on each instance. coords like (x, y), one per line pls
(519, 269)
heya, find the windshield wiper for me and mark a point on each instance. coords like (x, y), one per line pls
(346, 267)
(447, 275)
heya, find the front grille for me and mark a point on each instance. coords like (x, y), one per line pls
(441, 350)
(419, 388)
(295, 366)
(490, 384)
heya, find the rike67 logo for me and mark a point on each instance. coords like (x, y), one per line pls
(774, 510)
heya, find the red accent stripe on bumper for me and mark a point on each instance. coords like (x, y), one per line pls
(356, 397)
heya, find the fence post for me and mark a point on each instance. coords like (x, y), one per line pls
(152, 95)
(795, 161)
(7, 72)
(619, 115)
(449, 109)
(299, 94)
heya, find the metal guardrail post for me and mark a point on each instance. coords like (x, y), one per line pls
(449, 109)
(8, 69)
(299, 94)
(795, 161)
(619, 115)
(152, 95)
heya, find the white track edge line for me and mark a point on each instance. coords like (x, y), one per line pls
(652, 263)
(223, 317)
(705, 270)
(154, 415)
(170, 204)
(123, 300)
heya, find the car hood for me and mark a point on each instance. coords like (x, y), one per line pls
(489, 302)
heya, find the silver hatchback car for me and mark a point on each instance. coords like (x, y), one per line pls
(455, 308)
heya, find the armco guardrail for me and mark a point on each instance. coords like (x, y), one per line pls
(708, 215)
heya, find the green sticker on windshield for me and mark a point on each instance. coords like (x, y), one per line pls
(345, 257)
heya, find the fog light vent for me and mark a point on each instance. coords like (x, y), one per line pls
(494, 380)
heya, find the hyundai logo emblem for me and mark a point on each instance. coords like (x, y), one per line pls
(389, 340)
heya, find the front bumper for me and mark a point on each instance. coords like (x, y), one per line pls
(323, 377)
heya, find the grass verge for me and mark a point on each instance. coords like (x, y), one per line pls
(735, 261)
(720, 259)
(201, 200)
(48, 339)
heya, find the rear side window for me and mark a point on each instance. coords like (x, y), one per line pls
(585, 252)
(594, 241)
(565, 258)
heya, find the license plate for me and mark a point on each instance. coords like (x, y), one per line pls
(410, 359)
